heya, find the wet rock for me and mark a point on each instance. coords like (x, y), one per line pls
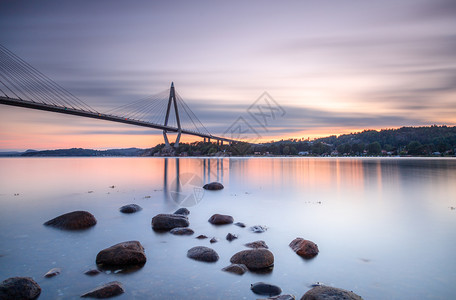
(201, 237)
(218, 219)
(182, 231)
(329, 293)
(122, 254)
(92, 272)
(257, 245)
(304, 248)
(213, 186)
(182, 211)
(213, 240)
(107, 290)
(239, 269)
(130, 208)
(254, 259)
(202, 253)
(267, 289)
(167, 222)
(19, 288)
(240, 224)
(73, 221)
(52, 272)
(230, 237)
(281, 297)
(258, 228)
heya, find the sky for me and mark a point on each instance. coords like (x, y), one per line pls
(328, 67)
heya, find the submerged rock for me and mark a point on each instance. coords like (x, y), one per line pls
(304, 248)
(267, 289)
(182, 211)
(130, 208)
(73, 221)
(52, 272)
(282, 297)
(257, 245)
(92, 272)
(19, 288)
(182, 231)
(218, 219)
(329, 293)
(254, 259)
(202, 253)
(258, 228)
(230, 237)
(213, 186)
(238, 269)
(169, 221)
(107, 290)
(213, 240)
(240, 224)
(122, 254)
(201, 237)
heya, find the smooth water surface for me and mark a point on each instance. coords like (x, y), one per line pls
(386, 228)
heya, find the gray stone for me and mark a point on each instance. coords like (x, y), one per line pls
(202, 253)
(167, 222)
(181, 231)
(257, 245)
(107, 290)
(213, 186)
(258, 228)
(182, 211)
(52, 272)
(267, 289)
(230, 237)
(329, 293)
(130, 208)
(238, 269)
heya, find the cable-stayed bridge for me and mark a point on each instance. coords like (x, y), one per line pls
(24, 86)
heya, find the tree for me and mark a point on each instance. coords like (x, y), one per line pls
(414, 148)
(374, 148)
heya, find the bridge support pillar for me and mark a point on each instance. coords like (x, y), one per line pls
(172, 101)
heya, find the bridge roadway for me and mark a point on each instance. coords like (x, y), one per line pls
(101, 116)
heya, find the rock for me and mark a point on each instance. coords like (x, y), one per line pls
(122, 254)
(231, 237)
(218, 219)
(304, 248)
(19, 288)
(182, 231)
(52, 272)
(240, 224)
(201, 253)
(329, 293)
(201, 237)
(239, 269)
(130, 208)
(257, 244)
(258, 228)
(213, 240)
(92, 272)
(267, 289)
(213, 186)
(169, 221)
(182, 211)
(281, 297)
(254, 259)
(73, 221)
(107, 290)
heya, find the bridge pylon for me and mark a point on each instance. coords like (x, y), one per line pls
(172, 101)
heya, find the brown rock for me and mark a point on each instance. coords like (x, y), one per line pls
(329, 293)
(201, 237)
(257, 244)
(19, 288)
(218, 219)
(182, 211)
(181, 231)
(254, 259)
(130, 208)
(239, 269)
(213, 240)
(73, 221)
(281, 297)
(230, 237)
(304, 248)
(122, 254)
(52, 272)
(202, 253)
(92, 272)
(213, 186)
(169, 221)
(107, 290)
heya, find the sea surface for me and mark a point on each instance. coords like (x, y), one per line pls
(386, 228)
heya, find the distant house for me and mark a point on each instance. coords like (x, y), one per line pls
(303, 153)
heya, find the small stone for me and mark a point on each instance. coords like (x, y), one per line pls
(122, 254)
(267, 289)
(52, 272)
(230, 237)
(75, 220)
(304, 248)
(213, 186)
(202, 253)
(19, 288)
(107, 290)
(282, 297)
(92, 272)
(181, 231)
(254, 259)
(182, 211)
(213, 240)
(240, 224)
(130, 208)
(258, 228)
(169, 221)
(329, 293)
(218, 219)
(201, 237)
(257, 245)
(238, 269)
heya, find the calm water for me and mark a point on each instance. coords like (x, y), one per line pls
(385, 227)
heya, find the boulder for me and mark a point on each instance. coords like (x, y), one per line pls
(257, 244)
(19, 288)
(238, 269)
(218, 219)
(304, 248)
(201, 253)
(73, 221)
(52, 272)
(329, 293)
(182, 231)
(130, 208)
(167, 222)
(230, 237)
(213, 186)
(107, 290)
(254, 259)
(122, 254)
(182, 211)
(267, 289)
